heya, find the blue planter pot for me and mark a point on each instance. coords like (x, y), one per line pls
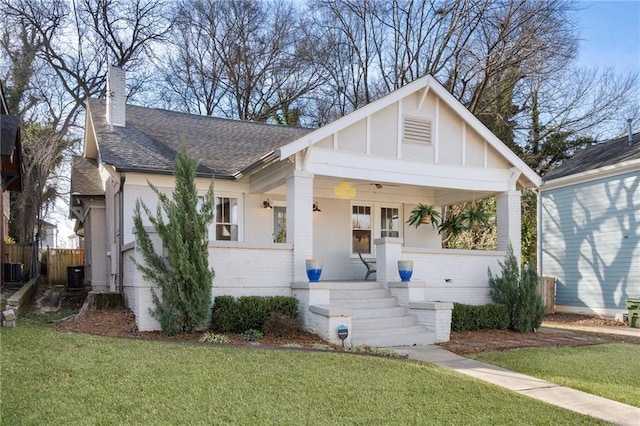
(405, 269)
(314, 269)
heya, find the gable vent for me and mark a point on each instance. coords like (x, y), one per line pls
(417, 130)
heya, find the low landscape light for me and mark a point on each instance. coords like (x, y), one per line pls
(343, 333)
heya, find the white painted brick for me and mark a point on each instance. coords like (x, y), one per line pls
(116, 96)
(509, 221)
(436, 316)
(300, 220)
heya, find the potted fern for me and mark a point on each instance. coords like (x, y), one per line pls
(424, 214)
(474, 216)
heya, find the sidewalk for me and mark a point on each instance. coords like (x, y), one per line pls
(571, 399)
(618, 331)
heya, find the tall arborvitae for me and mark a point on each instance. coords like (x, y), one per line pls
(182, 274)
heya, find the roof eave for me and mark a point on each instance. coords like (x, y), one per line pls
(164, 172)
(602, 172)
(269, 158)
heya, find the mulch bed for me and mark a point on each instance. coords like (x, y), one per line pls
(121, 323)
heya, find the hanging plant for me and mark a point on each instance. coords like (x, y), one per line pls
(474, 216)
(424, 214)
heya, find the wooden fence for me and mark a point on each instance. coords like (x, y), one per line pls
(19, 253)
(547, 289)
(57, 262)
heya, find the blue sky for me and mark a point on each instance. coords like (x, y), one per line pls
(610, 34)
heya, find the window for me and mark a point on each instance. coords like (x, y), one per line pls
(226, 219)
(361, 229)
(389, 226)
(279, 224)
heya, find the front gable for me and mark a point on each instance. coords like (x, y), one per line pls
(419, 135)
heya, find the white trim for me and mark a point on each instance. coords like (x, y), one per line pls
(395, 96)
(485, 154)
(589, 175)
(400, 131)
(335, 140)
(603, 312)
(464, 144)
(347, 165)
(423, 97)
(436, 133)
(368, 135)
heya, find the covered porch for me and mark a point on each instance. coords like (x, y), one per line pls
(348, 188)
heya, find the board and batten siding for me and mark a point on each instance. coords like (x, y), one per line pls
(590, 241)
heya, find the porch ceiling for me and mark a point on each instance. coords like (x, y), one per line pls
(372, 189)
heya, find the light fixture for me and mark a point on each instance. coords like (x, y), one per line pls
(315, 207)
(267, 204)
(343, 332)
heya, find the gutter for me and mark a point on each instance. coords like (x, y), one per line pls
(265, 160)
(165, 172)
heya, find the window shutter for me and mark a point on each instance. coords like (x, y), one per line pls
(417, 130)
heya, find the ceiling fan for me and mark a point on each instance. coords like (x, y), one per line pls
(379, 185)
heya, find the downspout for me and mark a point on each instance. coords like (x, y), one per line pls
(123, 178)
(539, 230)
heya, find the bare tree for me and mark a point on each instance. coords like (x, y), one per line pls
(68, 46)
(240, 59)
(42, 147)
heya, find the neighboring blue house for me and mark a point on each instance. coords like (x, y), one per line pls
(589, 237)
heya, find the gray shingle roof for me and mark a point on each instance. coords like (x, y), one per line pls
(151, 138)
(85, 178)
(607, 153)
(9, 128)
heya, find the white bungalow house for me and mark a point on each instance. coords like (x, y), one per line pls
(285, 195)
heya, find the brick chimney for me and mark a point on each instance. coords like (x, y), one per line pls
(116, 96)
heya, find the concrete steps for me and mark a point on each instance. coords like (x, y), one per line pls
(377, 319)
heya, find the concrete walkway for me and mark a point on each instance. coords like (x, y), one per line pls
(618, 331)
(571, 399)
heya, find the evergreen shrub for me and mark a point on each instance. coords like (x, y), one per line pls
(182, 276)
(249, 312)
(479, 317)
(517, 288)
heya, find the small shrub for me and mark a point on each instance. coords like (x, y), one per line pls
(251, 335)
(214, 338)
(226, 314)
(517, 289)
(478, 317)
(280, 325)
(372, 350)
(320, 346)
(249, 312)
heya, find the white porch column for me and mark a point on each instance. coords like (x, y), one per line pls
(509, 221)
(300, 220)
(388, 252)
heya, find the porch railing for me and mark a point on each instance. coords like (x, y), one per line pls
(445, 275)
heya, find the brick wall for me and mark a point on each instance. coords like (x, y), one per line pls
(116, 97)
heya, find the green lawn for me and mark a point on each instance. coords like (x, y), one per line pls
(611, 371)
(64, 378)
